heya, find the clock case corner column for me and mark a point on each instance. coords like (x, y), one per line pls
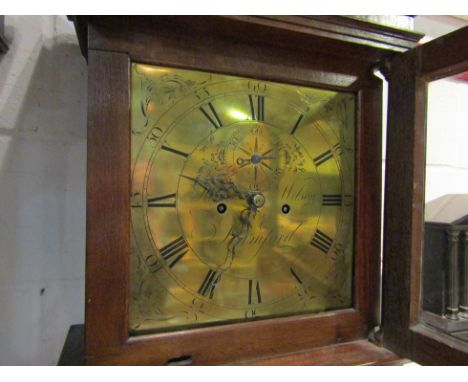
(108, 200)
(369, 198)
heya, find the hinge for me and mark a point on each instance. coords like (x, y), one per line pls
(375, 335)
(385, 67)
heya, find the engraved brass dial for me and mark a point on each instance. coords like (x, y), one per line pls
(242, 199)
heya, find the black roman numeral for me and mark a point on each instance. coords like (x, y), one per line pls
(174, 151)
(294, 274)
(321, 241)
(209, 284)
(323, 158)
(136, 200)
(153, 263)
(253, 293)
(337, 148)
(216, 122)
(260, 114)
(331, 200)
(162, 201)
(297, 124)
(174, 251)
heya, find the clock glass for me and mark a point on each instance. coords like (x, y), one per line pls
(242, 200)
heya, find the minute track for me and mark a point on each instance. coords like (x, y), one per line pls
(204, 261)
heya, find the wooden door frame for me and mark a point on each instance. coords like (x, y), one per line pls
(408, 75)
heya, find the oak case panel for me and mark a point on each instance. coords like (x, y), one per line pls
(108, 212)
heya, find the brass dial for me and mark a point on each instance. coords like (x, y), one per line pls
(242, 199)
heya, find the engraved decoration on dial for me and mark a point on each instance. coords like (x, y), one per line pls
(242, 199)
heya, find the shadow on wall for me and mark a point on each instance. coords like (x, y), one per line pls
(42, 187)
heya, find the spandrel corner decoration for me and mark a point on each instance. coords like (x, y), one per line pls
(242, 199)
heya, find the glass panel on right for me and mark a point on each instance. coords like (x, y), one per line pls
(445, 259)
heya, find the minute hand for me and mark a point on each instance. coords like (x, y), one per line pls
(239, 233)
(195, 181)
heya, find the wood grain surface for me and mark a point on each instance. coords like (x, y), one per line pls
(242, 47)
(362, 353)
(108, 201)
(405, 198)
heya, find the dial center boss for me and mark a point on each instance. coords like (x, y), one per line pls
(257, 200)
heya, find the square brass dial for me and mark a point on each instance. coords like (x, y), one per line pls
(242, 199)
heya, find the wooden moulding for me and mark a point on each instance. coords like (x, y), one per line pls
(108, 220)
(349, 29)
(147, 41)
(346, 354)
(367, 39)
(226, 344)
(430, 347)
(362, 353)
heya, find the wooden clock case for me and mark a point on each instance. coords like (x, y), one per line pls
(338, 53)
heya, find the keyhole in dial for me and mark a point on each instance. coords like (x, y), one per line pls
(285, 208)
(221, 208)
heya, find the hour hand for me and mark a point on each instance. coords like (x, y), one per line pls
(218, 188)
(194, 180)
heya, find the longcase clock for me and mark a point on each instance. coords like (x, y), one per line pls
(234, 182)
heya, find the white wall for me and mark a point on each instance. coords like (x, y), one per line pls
(447, 139)
(447, 122)
(436, 26)
(42, 188)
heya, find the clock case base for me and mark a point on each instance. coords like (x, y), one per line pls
(347, 354)
(329, 52)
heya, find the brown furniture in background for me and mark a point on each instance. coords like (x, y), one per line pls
(445, 265)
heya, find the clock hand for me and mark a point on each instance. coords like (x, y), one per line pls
(195, 181)
(218, 189)
(239, 233)
(255, 200)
